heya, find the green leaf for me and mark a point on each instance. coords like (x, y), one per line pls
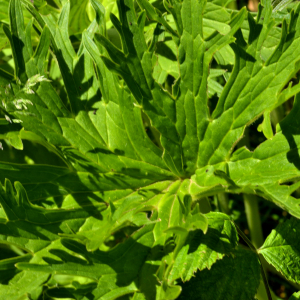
(119, 266)
(31, 227)
(240, 281)
(7, 266)
(138, 150)
(22, 284)
(253, 172)
(295, 296)
(201, 251)
(281, 249)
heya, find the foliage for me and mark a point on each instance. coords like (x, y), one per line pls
(142, 133)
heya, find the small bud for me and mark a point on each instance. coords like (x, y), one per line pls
(1, 147)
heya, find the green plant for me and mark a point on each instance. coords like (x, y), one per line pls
(122, 211)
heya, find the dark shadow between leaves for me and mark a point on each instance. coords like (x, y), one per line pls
(127, 260)
(290, 127)
(212, 239)
(117, 259)
(105, 151)
(85, 85)
(76, 91)
(163, 50)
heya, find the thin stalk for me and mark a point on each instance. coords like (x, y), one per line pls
(244, 237)
(265, 280)
(253, 219)
(252, 247)
(204, 205)
(277, 115)
(223, 203)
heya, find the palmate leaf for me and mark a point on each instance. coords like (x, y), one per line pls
(116, 176)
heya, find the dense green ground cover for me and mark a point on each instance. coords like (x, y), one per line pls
(150, 150)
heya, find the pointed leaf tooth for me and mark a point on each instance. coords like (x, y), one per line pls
(7, 200)
(17, 37)
(117, 24)
(22, 197)
(155, 38)
(174, 7)
(42, 50)
(100, 15)
(155, 15)
(266, 126)
(294, 187)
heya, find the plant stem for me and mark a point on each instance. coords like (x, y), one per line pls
(254, 224)
(265, 280)
(204, 205)
(246, 240)
(252, 247)
(277, 115)
(253, 219)
(223, 203)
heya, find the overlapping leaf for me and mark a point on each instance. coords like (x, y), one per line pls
(31, 227)
(115, 271)
(115, 175)
(235, 283)
(202, 251)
